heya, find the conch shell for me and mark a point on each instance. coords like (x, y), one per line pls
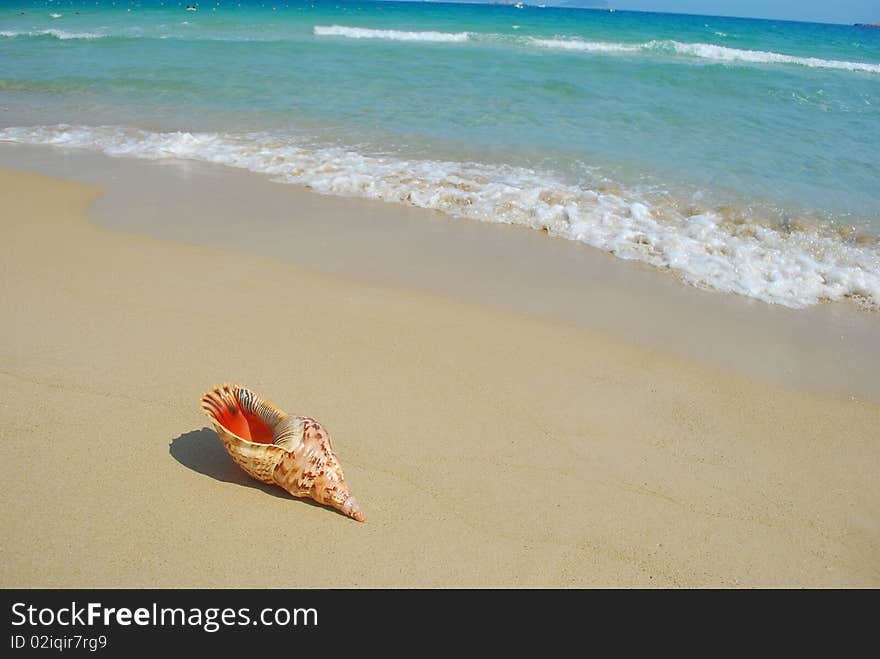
(278, 448)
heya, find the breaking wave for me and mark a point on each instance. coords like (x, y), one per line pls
(394, 35)
(704, 51)
(715, 249)
(56, 34)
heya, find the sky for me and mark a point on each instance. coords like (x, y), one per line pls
(818, 11)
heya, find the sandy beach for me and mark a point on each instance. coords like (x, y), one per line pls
(488, 447)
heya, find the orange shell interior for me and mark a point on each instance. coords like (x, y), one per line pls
(239, 422)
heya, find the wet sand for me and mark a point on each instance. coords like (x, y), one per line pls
(489, 444)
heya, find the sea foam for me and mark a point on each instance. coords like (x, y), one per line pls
(706, 249)
(701, 50)
(57, 34)
(393, 35)
(586, 46)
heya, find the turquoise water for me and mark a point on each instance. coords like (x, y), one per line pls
(741, 154)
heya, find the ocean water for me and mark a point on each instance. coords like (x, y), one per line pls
(742, 155)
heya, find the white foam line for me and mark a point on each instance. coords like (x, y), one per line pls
(726, 54)
(794, 269)
(702, 50)
(394, 35)
(58, 34)
(585, 46)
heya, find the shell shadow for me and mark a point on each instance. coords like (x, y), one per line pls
(201, 451)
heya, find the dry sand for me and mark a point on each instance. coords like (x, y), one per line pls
(487, 448)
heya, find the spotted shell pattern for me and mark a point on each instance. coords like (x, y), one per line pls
(277, 448)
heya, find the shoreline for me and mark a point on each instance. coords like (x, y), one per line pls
(488, 447)
(826, 348)
(794, 258)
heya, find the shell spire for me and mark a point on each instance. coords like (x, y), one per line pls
(277, 448)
